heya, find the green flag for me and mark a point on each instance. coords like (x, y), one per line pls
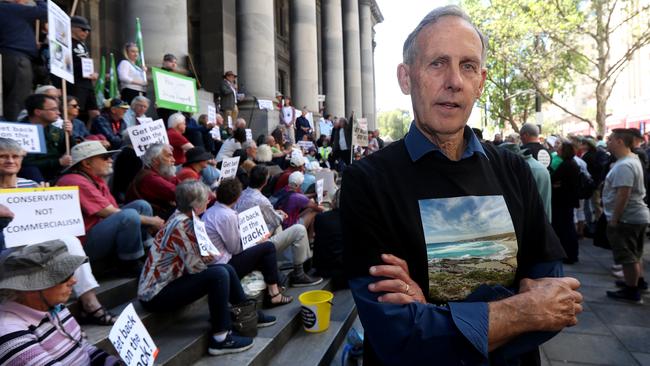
(113, 89)
(101, 83)
(140, 43)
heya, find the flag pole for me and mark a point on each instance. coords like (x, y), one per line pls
(64, 85)
(198, 82)
(74, 7)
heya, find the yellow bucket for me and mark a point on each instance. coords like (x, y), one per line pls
(316, 309)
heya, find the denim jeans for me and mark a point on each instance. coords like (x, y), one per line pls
(218, 281)
(120, 233)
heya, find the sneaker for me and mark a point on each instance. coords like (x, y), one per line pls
(643, 286)
(617, 267)
(264, 320)
(304, 280)
(626, 294)
(618, 274)
(232, 344)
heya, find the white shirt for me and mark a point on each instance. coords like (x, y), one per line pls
(228, 148)
(129, 73)
(342, 143)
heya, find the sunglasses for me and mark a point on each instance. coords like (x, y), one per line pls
(75, 106)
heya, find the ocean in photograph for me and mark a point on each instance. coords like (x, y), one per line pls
(483, 249)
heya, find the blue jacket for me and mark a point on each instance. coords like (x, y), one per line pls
(17, 27)
(103, 124)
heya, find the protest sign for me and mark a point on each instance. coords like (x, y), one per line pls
(212, 114)
(252, 228)
(229, 167)
(360, 132)
(175, 91)
(42, 214)
(265, 104)
(215, 132)
(319, 191)
(131, 339)
(305, 145)
(87, 67)
(30, 137)
(202, 239)
(143, 120)
(310, 118)
(544, 158)
(249, 134)
(143, 136)
(59, 35)
(325, 127)
(230, 122)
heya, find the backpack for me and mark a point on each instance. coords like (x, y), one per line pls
(586, 186)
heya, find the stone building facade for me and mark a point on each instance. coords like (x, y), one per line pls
(300, 48)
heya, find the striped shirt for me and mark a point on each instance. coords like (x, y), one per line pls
(32, 337)
(25, 183)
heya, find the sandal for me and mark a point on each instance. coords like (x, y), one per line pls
(268, 303)
(100, 316)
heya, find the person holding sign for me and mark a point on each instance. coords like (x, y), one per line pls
(37, 281)
(133, 80)
(175, 273)
(83, 80)
(222, 225)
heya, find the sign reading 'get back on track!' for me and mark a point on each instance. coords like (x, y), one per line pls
(175, 91)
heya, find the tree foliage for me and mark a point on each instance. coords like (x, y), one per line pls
(394, 123)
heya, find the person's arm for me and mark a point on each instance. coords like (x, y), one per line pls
(187, 146)
(124, 73)
(230, 234)
(622, 197)
(102, 126)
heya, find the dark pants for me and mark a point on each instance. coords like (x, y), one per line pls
(260, 257)
(127, 95)
(565, 229)
(17, 76)
(218, 281)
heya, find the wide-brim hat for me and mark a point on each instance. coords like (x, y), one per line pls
(38, 267)
(86, 150)
(196, 154)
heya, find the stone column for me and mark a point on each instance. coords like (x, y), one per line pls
(256, 62)
(218, 41)
(367, 64)
(304, 55)
(333, 58)
(351, 42)
(164, 29)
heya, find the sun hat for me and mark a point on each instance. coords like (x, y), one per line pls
(297, 161)
(38, 267)
(86, 150)
(196, 154)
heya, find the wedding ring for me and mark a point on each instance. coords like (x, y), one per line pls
(408, 287)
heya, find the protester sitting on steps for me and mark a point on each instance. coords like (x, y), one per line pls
(300, 209)
(175, 274)
(222, 226)
(176, 127)
(11, 154)
(35, 326)
(110, 230)
(111, 122)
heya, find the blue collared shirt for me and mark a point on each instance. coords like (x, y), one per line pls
(419, 145)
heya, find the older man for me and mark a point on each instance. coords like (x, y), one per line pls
(111, 123)
(228, 95)
(176, 126)
(529, 135)
(139, 107)
(110, 230)
(466, 219)
(156, 182)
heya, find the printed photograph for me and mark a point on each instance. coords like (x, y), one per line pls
(470, 241)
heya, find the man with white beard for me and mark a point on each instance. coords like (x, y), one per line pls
(156, 182)
(111, 231)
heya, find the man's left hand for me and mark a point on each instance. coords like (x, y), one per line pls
(399, 288)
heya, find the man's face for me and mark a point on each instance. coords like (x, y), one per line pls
(118, 112)
(100, 166)
(80, 34)
(50, 112)
(251, 152)
(171, 64)
(231, 78)
(445, 77)
(614, 144)
(10, 162)
(165, 166)
(139, 108)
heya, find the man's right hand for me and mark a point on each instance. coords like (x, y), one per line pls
(65, 160)
(554, 303)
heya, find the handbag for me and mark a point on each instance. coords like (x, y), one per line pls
(600, 235)
(244, 318)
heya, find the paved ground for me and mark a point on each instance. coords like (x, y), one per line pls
(609, 332)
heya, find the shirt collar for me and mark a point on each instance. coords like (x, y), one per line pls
(419, 145)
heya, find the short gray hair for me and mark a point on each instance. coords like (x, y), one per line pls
(191, 194)
(175, 119)
(530, 129)
(248, 144)
(152, 153)
(433, 17)
(138, 99)
(11, 145)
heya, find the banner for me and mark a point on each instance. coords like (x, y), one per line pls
(42, 214)
(229, 168)
(140, 43)
(100, 85)
(29, 136)
(131, 339)
(59, 36)
(252, 228)
(265, 104)
(360, 132)
(144, 135)
(113, 88)
(175, 91)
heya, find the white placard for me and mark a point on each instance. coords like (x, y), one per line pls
(325, 127)
(265, 104)
(143, 136)
(252, 228)
(212, 113)
(229, 168)
(30, 137)
(288, 115)
(215, 132)
(249, 134)
(87, 67)
(174, 91)
(59, 35)
(320, 97)
(131, 339)
(144, 120)
(544, 158)
(360, 132)
(305, 145)
(230, 122)
(319, 191)
(310, 118)
(202, 239)
(42, 214)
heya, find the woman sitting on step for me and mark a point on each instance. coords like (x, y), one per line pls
(176, 274)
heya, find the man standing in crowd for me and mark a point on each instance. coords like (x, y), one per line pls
(413, 211)
(170, 64)
(529, 135)
(83, 86)
(228, 94)
(111, 123)
(18, 48)
(43, 110)
(627, 214)
(302, 125)
(110, 230)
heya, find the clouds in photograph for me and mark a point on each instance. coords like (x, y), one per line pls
(447, 220)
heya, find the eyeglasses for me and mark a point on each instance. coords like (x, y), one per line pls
(53, 109)
(75, 106)
(85, 30)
